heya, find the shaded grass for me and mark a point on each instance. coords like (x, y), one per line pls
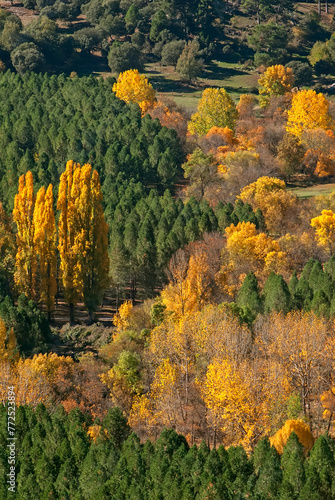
(231, 76)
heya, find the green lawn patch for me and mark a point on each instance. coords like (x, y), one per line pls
(316, 190)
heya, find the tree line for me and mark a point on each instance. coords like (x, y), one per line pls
(64, 455)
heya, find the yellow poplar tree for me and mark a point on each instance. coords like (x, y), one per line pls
(309, 110)
(45, 247)
(23, 214)
(131, 86)
(227, 399)
(277, 80)
(269, 194)
(324, 226)
(215, 109)
(83, 237)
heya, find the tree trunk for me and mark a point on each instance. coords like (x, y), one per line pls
(91, 315)
(326, 6)
(329, 422)
(72, 319)
(319, 7)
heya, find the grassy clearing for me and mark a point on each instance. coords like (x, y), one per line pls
(316, 190)
(233, 77)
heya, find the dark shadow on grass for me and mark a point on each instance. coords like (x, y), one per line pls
(86, 64)
(163, 84)
(216, 72)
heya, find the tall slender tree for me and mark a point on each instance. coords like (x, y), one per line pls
(83, 244)
(45, 247)
(23, 215)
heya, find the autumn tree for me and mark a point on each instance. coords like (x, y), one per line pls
(248, 247)
(324, 226)
(83, 245)
(290, 154)
(270, 196)
(309, 110)
(189, 287)
(241, 398)
(300, 343)
(45, 247)
(131, 86)
(23, 215)
(301, 429)
(215, 109)
(277, 80)
(238, 169)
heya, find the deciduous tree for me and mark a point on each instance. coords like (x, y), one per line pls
(324, 226)
(301, 429)
(45, 247)
(309, 110)
(23, 215)
(83, 244)
(277, 80)
(131, 86)
(215, 109)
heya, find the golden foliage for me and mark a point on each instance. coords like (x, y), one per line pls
(270, 196)
(215, 109)
(93, 432)
(25, 263)
(246, 104)
(82, 235)
(240, 399)
(276, 80)
(328, 403)
(245, 242)
(121, 318)
(34, 378)
(221, 135)
(36, 242)
(45, 246)
(324, 226)
(189, 288)
(309, 110)
(301, 344)
(131, 86)
(161, 407)
(301, 429)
